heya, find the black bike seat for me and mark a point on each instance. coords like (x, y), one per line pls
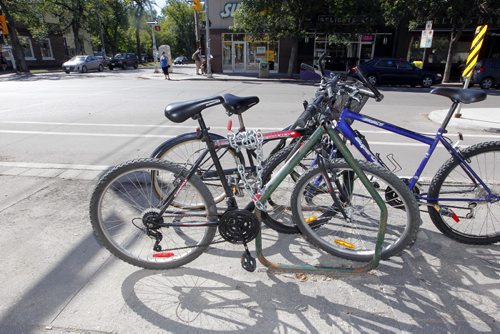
(237, 105)
(460, 95)
(178, 112)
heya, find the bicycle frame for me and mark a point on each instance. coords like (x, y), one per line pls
(344, 128)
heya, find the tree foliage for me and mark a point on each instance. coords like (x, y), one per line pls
(278, 19)
(178, 29)
(459, 14)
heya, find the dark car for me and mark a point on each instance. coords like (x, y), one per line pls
(486, 73)
(397, 72)
(124, 60)
(181, 60)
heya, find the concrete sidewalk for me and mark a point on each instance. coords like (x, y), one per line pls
(57, 279)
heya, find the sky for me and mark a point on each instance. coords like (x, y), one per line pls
(159, 4)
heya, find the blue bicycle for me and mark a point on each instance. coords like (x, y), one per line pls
(463, 197)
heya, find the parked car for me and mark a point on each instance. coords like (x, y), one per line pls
(486, 73)
(181, 60)
(83, 64)
(399, 72)
(124, 60)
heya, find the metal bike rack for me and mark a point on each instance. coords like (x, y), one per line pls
(373, 263)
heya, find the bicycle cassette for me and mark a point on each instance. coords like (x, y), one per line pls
(238, 226)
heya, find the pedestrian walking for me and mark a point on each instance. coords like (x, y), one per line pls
(197, 60)
(164, 65)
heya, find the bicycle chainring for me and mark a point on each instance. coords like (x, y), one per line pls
(238, 226)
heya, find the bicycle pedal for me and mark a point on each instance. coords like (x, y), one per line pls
(248, 262)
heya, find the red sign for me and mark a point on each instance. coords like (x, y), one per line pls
(367, 38)
(157, 28)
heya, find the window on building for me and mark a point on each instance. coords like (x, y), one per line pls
(46, 49)
(27, 48)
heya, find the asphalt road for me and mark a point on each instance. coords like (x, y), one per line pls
(101, 119)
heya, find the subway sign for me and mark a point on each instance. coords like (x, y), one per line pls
(229, 8)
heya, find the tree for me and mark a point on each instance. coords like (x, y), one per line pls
(460, 13)
(71, 14)
(178, 27)
(27, 13)
(278, 19)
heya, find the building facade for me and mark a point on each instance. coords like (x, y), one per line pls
(240, 52)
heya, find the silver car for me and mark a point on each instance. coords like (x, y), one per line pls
(83, 64)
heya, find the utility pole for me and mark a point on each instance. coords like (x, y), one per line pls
(155, 51)
(207, 38)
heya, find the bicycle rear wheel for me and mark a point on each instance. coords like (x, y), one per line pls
(465, 210)
(321, 219)
(125, 202)
(186, 148)
(279, 213)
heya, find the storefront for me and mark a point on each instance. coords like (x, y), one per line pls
(237, 52)
(357, 49)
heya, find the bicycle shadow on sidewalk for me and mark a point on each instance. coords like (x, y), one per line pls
(440, 286)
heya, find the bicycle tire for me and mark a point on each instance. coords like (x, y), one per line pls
(451, 179)
(185, 148)
(355, 239)
(124, 195)
(279, 215)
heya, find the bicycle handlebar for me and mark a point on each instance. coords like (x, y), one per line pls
(309, 112)
(378, 96)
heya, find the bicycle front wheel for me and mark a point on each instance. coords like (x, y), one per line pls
(125, 215)
(459, 206)
(342, 218)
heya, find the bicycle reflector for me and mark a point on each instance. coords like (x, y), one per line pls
(447, 212)
(311, 219)
(163, 254)
(345, 244)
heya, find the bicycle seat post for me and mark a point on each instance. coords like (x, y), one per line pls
(449, 115)
(242, 124)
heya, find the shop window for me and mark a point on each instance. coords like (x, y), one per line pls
(27, 48)
(46, 49)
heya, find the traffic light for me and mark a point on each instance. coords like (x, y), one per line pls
(196, 5)
(3, 25)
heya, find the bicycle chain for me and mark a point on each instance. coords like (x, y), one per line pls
(250, 140)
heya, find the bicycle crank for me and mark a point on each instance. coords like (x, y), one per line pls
(240, 227)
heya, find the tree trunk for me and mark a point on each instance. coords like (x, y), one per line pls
(16, 44)
(293, 56)
(455, 35)
(138, 19)
(76, 31)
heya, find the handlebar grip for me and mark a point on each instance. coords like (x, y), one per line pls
(378, 96)
(308, 113)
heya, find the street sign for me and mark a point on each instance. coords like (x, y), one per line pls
(474, 50)
(428, 25)
(426, 38)
(157, 28)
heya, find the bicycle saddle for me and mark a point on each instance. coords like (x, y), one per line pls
(237, 105)
(178, 112)
(460, 95)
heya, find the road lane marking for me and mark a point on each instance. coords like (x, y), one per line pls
(43, 165)
(193, 127)
(87, 134)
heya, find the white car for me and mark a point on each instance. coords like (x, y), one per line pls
(83, 64)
